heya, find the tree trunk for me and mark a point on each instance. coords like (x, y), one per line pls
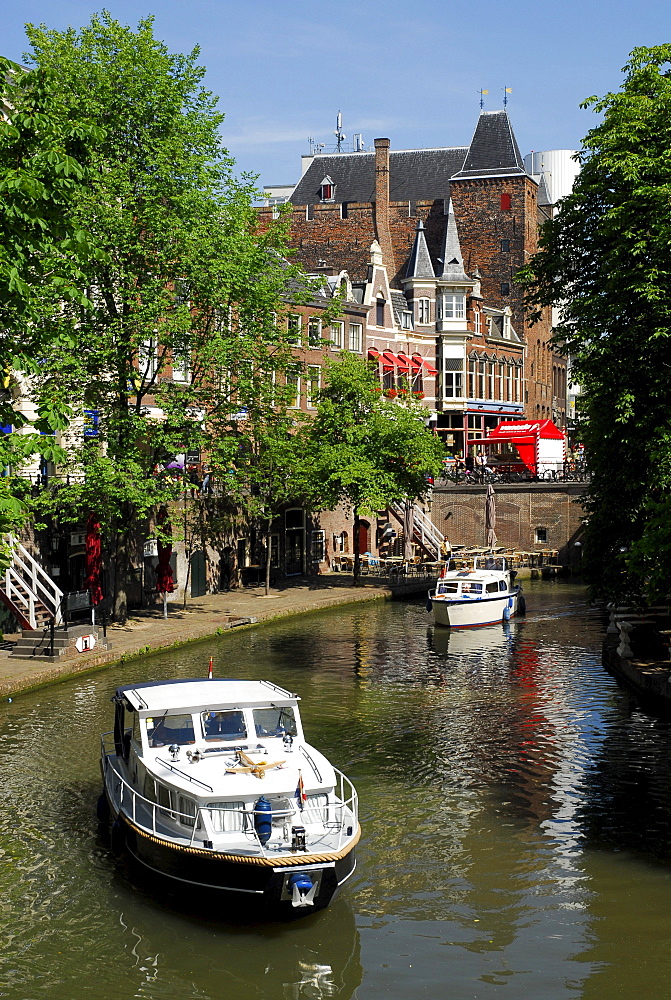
(356, 548)
(269, 553)
(121, 567)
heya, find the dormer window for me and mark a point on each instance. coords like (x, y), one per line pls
(327, 189)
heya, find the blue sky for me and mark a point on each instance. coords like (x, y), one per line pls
(409, 71)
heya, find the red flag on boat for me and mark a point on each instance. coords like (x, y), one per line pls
(299, 794)
(209, 670)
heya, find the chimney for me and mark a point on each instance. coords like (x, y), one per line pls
(382, 205)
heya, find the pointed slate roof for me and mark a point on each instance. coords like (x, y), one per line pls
(419, 264)
(543, 196)
(452, 260)
(493, 151)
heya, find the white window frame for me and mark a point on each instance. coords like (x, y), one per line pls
(294, 326)
(476, 321)
(313, 384)
(356, 337)
(406, 320)
(290, 380)
(318, 546)
(452, 305)
(453, 385)
(424, 310)
(314, 342)
(337, 335)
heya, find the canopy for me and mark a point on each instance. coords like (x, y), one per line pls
(428, 367)
(525, 435)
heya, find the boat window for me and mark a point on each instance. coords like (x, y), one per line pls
(149, 788)
(502, 584)
(227, 817)
(316, 808)
(166, 729)
(136, 729)
(471, 588)
(274, 721)
(492, 588)
(187, 812)
(224, 725)
(448, 587)
(164, 799)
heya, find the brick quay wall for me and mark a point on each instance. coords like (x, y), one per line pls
(530, 517)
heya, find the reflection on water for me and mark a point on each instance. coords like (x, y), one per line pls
(516, 808)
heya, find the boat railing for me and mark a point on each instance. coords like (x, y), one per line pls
(132, 803)
(183, 774)
(311, 763)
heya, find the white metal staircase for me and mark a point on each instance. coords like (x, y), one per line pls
(28, 591)
(424, 531)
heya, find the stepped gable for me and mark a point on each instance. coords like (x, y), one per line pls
(419, 264)
(414, 175)
(493, 151)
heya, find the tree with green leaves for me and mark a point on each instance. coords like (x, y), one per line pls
(605, 258)
(369, 451)
(44, 157)
(184, 296)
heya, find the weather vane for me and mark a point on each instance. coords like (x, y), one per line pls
(506, 91)
(482, 98)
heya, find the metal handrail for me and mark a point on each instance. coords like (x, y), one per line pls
(348, 801)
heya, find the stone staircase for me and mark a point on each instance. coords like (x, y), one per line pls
(28, 591)
(37, 644)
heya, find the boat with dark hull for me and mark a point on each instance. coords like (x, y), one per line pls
(211, 785)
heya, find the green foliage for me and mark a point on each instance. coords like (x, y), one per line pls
(182, 319)
(605, 257)
(368, 451)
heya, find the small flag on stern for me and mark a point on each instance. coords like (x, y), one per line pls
(209, 670)
(299, 794)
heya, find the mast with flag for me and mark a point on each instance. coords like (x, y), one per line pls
(299, 794)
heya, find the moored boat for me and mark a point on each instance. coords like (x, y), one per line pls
(211, 784)
(479, 595)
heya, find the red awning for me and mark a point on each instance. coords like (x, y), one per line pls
(428, 367)
(387, 365)
(393, 360)
(410, 362)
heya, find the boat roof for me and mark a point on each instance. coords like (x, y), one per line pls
(195, 695)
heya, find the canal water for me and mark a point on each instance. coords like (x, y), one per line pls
(516, 813)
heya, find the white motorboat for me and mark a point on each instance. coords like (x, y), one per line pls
(211, 783)
(480, 595)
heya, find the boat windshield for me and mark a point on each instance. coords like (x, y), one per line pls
(218, 725)
(166, 729)
(468, 587)
(448, 587)
(275, 721)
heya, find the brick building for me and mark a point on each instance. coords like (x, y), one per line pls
(431, 241)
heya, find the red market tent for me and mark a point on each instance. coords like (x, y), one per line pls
(540, 443)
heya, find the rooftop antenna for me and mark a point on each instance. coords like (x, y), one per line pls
(311, 144)
(339, 134)
(506, 91)
(482, 98)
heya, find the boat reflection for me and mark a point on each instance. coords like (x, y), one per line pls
(316, 957)
(488, 639)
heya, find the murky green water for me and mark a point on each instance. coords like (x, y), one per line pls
(516, 809)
